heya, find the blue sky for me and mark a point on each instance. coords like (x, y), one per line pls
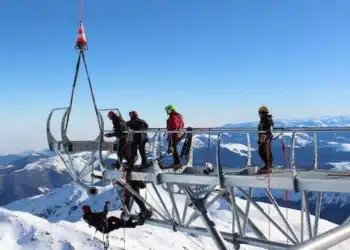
(216, 61)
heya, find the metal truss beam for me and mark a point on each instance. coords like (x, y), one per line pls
(327, 239)
(227, 236)
(228, 179)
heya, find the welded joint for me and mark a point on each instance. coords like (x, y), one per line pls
(198, 203)
(235, 242)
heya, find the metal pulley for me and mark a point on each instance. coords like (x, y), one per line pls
(92, 191)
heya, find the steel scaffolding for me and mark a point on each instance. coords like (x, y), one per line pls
(202, 190)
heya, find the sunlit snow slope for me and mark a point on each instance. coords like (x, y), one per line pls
(63, 205)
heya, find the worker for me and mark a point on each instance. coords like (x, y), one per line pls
(106, 225)
(139, 139)
(264, 139)
(119, 127)
(136, 185)
(175, 122)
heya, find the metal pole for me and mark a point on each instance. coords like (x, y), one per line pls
(195, 214)
(292, 165)
(171, 195)
(185, 210)
(315, 152)
(128, 187)
(307, 211)
(227, 237)
(218, 162)
(302, 211)
(317, 211)
(234, 210)
(125, 209)
(250, 223)
(70, 171)
(250, 191)
(274, 203)
(262, 243)
(209, 224)
(255, 204)
(326, 240)
(249, 153)
(161, 201)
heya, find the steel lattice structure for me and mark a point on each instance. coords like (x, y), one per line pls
(202, 190)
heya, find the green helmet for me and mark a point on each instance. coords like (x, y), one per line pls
(169, 109)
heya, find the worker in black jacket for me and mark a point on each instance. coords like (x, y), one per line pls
(106, 225)
(264, 138)
(119, 126)
(136, 185)
(140, 139)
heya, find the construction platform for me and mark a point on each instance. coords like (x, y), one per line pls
(202, 190)
(304, 180)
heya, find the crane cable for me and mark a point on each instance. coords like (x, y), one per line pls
(81, 45)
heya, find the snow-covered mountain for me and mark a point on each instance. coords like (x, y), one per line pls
(30, 175)
(63, 228)
(19, 231)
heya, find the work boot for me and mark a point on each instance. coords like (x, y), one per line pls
(146, 213)
(264, 170)
(176, 167)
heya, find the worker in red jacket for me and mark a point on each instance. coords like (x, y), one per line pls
(174, 122)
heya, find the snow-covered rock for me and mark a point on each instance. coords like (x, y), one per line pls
(20, 231)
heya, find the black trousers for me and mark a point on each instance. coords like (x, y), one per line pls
(142, 150)
(173, 143)
(265, 153)
(124, 152)
(114, 223)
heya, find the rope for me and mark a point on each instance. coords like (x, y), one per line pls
(197, 244)
(73, 90)
(82, 55)
(92, 92)
(81, 10)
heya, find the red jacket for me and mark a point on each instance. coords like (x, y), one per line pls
(175, 122)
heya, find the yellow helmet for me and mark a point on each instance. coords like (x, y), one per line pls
(263, 109)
